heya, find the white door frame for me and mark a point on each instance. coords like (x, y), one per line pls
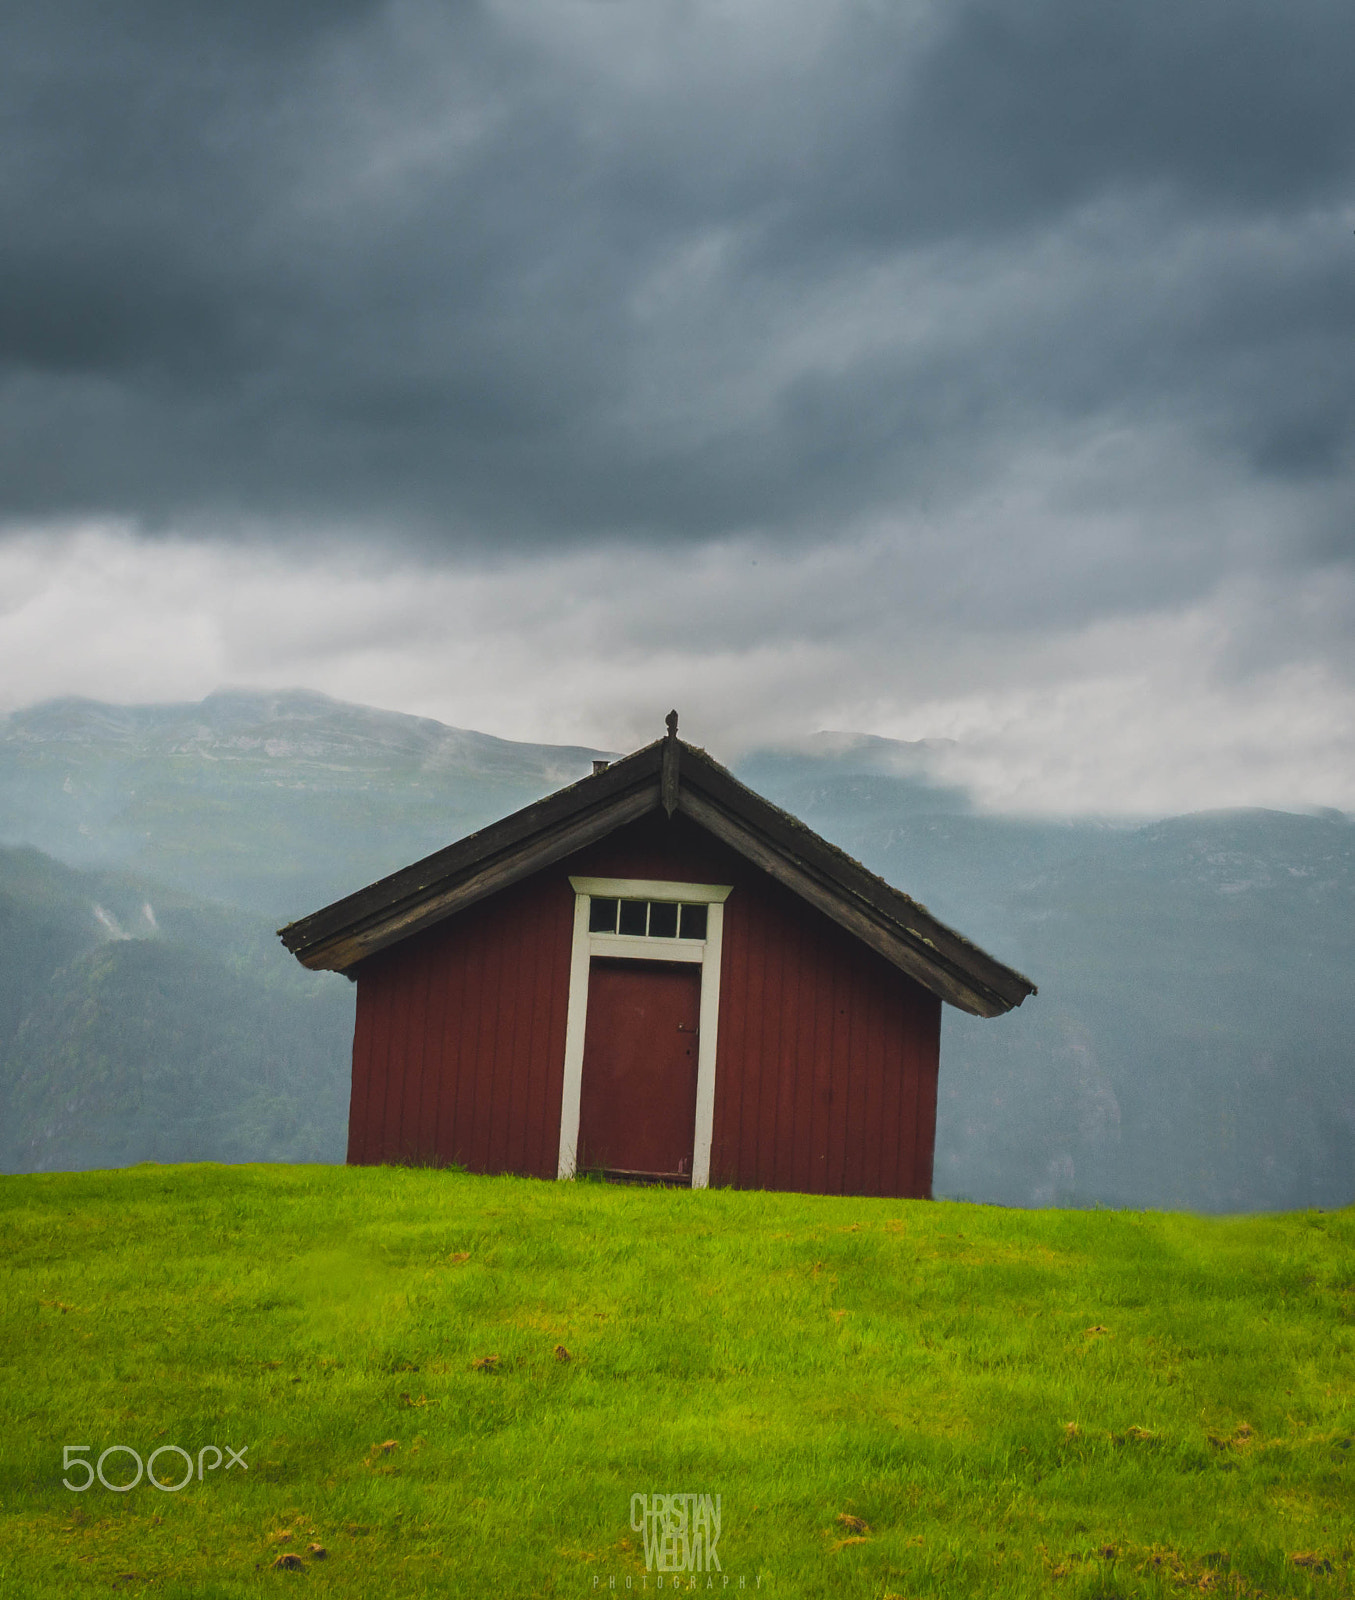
(704, 953)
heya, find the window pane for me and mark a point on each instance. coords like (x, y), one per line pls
(693, 922)
(663, 918)
(602, 916)
(633, 916)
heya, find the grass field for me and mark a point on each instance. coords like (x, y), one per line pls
(890, 1398)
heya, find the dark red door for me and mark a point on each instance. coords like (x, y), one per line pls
(637, 1105)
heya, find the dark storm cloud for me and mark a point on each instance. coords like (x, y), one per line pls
(1021, 109)
(502, 274)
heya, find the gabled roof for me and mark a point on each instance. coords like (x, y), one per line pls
(675, 777)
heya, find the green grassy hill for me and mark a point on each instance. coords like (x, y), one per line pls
(455, 1385)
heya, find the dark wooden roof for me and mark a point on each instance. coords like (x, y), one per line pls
(676, 777)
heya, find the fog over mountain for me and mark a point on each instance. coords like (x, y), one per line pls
(1189, 1046)
(272, 802)
(138, 1023)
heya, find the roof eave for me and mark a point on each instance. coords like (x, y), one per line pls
(338, 935)
(365, 937)
(910, 949)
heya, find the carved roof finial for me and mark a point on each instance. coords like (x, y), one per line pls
(668, 772)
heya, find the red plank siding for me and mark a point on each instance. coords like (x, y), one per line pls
(459, 1038)
(827, 1061)
(824, 1052)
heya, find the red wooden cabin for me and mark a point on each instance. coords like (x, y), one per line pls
(656, 974)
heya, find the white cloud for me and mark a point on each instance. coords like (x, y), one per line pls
(1243, 695)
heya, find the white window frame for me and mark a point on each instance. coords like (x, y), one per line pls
(704, 953)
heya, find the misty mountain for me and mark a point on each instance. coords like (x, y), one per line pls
(1192, 1041)
(138, 1024)
(1190, 1044)
(274, 802)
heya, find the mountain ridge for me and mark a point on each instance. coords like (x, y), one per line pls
(1190, 1045)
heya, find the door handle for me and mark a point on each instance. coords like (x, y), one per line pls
(683, 1028)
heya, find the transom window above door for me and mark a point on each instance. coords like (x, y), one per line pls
(646, 919)
(627, 916)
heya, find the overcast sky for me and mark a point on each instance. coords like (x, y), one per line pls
(968, 370)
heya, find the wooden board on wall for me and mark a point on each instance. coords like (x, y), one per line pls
(459, 1044)
(827, 1064)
